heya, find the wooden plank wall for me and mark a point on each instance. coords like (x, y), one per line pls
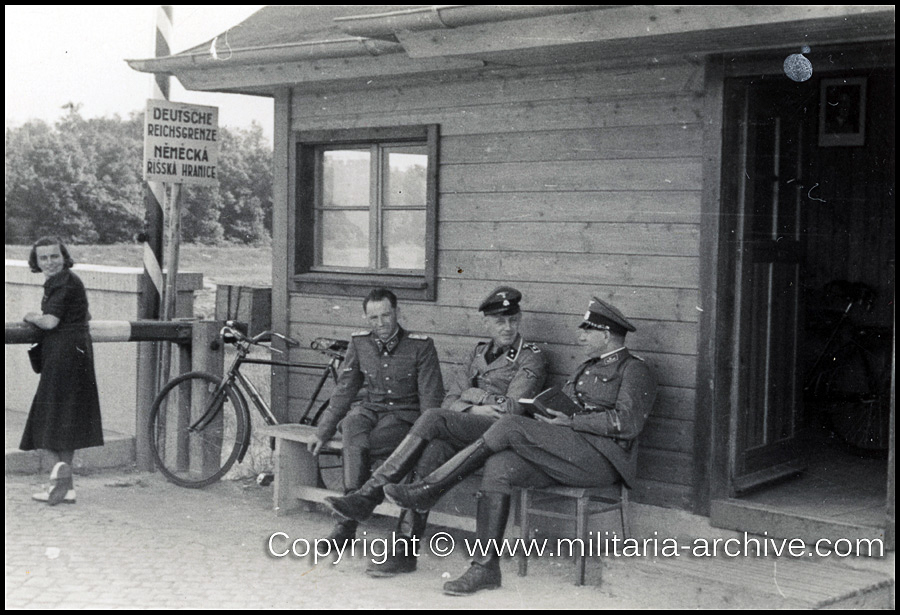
(567, 184)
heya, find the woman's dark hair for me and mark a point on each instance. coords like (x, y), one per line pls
(379, 294)
(49, 241)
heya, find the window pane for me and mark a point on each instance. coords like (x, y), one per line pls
(404, 240)
(404, 185)
(345, 177)
(345, 238)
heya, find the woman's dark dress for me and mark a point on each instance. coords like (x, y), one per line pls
(65, 413)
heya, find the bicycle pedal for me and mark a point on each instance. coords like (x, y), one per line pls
(264, 479)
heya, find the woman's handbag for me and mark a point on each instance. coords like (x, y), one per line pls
(35, 356)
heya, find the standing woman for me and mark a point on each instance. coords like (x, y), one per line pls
(65, 413)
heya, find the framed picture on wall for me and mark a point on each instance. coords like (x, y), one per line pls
(842, 112)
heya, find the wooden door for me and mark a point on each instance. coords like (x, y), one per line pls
(765, 426)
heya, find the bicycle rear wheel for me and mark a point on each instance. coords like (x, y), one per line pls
(857, 397)
(195, 444)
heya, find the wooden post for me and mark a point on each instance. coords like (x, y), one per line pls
(170, 294)
(207, 355)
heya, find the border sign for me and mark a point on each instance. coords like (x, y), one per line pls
(181, 143)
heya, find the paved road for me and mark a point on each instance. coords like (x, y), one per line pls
(133, 540)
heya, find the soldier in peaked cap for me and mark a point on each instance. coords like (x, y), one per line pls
(402, 377)
(499, 372)
(615, 391)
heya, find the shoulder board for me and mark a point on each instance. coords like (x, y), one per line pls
(417, 336)
(359, 333)
(531, 347)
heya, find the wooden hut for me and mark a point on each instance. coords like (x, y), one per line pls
(707, 169)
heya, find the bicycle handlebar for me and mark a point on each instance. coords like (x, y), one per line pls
(331, 347)
(232, 333)
(858, 293)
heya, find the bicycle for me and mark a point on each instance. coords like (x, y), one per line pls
(200, 423)
(851, 378)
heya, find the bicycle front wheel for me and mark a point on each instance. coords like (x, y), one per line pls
(197, 428)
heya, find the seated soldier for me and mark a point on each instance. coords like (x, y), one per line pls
(401, 374)
(591, 448)
(498, 373)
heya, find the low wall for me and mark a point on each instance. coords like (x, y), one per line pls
(113, 294)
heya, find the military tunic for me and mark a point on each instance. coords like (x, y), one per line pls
(517, 373)
(617, 393)
(401, 376)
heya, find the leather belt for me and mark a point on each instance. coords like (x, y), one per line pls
(591, 410)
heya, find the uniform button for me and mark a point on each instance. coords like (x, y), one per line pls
(385, 364)
(606, 380)
(587, 371)
(387, 377)
(580, 382)
(390, 391)
(390, 403)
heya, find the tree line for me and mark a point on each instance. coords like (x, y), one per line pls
(81, 179)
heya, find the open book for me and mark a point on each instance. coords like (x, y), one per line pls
(552, 398)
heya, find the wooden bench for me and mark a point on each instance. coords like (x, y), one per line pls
(297, 479)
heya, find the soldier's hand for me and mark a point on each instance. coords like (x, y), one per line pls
(491, 411)
(559, 418)
(315, 447)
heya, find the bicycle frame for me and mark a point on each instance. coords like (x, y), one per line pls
(244, 389)
(329, 369)
(237, 388)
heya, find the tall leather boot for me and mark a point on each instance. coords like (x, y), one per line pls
(484, 573)
(423, 495)
(359, 504)
(355, 463)
(401, 558)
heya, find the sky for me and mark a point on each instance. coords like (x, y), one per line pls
(61, 54)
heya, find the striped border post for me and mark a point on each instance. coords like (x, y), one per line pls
(155, 196)
(152, 280)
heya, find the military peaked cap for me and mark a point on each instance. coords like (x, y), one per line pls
(601, 315)
(503, 301)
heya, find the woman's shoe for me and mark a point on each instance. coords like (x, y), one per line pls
(60, 483)
(44, 496)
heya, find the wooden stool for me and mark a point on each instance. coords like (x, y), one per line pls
(613, 497)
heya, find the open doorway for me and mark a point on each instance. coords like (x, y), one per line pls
(808, 193)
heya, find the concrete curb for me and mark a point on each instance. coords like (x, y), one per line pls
(117, 452)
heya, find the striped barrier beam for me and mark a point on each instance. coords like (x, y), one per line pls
(111, 331)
